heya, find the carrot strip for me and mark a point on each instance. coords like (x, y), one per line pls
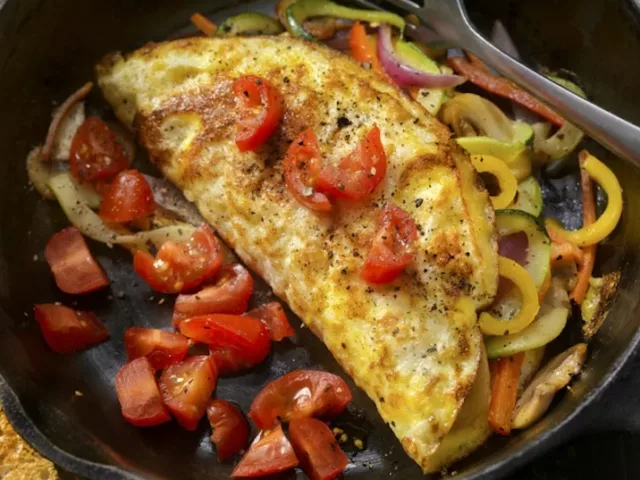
(503, 87)
(203, 24)
(60, 115)
(564, 253)
(476, 62)
(504, 391)
(362, 46)
(589, 217)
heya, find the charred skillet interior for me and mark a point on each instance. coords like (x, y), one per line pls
(48, 48)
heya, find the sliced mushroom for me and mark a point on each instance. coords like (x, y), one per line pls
(597, 301)
(556, 375)
(530, 365)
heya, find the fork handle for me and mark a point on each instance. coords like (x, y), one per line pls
(611, 131)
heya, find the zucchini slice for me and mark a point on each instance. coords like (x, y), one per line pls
(528, 197)
(539, 251)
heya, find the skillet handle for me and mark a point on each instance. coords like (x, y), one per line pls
(618, 408)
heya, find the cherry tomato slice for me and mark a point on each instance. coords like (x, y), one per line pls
(359, 173)
(317, 449)
(66, 330)
(160, 347)
(230, 428)
(300, 394)
(230, 294)
(269, 453)
(95, 152)
(273, 315)
(139, 396)
(181, 266)
(73, 267)
(186, 389)
(260, 108)
(128, 198)
(392, 248)
(302, 165)
(248, 336)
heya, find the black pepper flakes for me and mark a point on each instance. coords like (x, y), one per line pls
(419, 202)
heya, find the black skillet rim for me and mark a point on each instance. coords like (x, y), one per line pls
(551, 437)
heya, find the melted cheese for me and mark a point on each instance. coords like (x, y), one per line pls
(413, 345)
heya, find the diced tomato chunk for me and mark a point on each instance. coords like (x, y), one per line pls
(95, 152)
(66, 330)
(129, 197)
(73, 267)
(160, 347)
(187, 387)
(269, 453)
(273, 315)
(260, 107)
(247, 337)
(393, 247)
(230, 294)
(300, 394)
(320, 456)
(138, 393)
(179, 267)
(230, 428)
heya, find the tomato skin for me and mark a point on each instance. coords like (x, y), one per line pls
(302, 165)
(181, 266)
(255, 128)
(392, 248)
(359, 173)
(229, 360)
(269, 453)
(230, 428)
(230, 294)
(95, 152)
(73, 267)
(139, 396)
(160, 347)
(325, 395)
(317, 449)
(129, 197)
(187, 387)
(273, 315)
(66, 330)
(247, 336)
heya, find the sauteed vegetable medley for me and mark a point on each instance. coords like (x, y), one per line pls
(86, 164)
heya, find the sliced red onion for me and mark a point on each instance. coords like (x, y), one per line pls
(405, 75)
(514, 246)
(339, 41)
(172, 199)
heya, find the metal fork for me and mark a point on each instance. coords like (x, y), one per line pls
(450, 20)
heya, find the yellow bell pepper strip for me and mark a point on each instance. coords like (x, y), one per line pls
(490, 325)
(500, 170)
(203, 24)
(505, 373)
(592, 233)
(300, 11)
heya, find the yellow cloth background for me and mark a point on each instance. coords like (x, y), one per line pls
(18, 461)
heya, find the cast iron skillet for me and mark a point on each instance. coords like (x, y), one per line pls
(48, 49)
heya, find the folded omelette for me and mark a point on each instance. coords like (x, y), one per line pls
(413, 345)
